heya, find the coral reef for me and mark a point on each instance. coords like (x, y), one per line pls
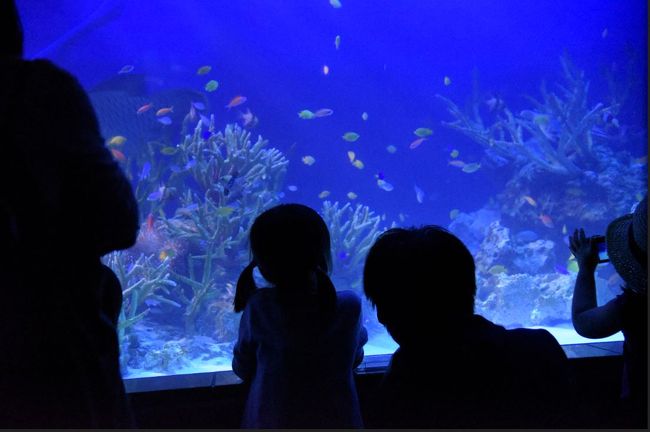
(196, 241)
(554, 137)
(353, 230)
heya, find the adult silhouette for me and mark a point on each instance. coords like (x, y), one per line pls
(64, 202)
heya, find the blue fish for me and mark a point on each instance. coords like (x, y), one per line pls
(190, 164)
(165, 120)
(146, 169)
(199, 105)
(156, 195)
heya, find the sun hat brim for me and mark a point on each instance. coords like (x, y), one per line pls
(620, 255)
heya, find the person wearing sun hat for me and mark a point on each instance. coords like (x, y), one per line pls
(627, 246)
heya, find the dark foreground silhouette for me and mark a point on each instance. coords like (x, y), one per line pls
(454, 369)
(64, 202)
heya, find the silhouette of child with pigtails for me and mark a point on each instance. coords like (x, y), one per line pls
(299, 339)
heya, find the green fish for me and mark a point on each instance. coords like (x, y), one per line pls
(224, 211)
(496, 269)
(211, 86)
(306, 115)
(471, 167)
(423, 132)
(350, 136)
(168, 151)
(572, 266)
(337, 41)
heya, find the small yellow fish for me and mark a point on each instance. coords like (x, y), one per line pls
(364, 116)
(529, 200)
(308, 160)
(168, 150)
(454, 154)
(496, 269)
(163, 255)
(351, 155)
(306, 115)
(211, 85)
(336, 4)
(337, 41)
(391, 149)
(423, 132)
(446, 80)
(564, 230)
(326, 70)
(471, 167)
(358, 164)
(117, 140)
(225, 211)
(352, 195)
(204, 70)
(572, 266)
(453, 214)
(324, 194)
(457, 163)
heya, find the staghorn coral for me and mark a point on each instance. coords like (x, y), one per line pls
(143, 279)
(555, 137)
(234, 179)
(353, 230)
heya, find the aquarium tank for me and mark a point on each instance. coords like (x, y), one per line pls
(511, 123)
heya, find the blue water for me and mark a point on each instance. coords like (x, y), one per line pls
(392, 61)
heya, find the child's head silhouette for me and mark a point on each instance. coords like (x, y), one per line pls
(290, 244)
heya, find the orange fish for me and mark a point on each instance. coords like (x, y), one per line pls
(546, 220)
(236, 101)
(529, 200)
(457, 163)
(118, 155)
(150, 222)
(144, 108)
(163, 111)
(416, 143)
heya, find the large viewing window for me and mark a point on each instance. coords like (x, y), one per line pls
(511, 123)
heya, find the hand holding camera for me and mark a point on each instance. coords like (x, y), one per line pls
(589, 251)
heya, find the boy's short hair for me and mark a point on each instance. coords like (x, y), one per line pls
(420, 270)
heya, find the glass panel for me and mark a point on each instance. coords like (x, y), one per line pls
(511, 123)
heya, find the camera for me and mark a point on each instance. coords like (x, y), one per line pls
(601, 246)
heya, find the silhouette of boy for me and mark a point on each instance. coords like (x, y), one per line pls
(453, 368)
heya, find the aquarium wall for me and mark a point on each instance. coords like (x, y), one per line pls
(510, 123)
